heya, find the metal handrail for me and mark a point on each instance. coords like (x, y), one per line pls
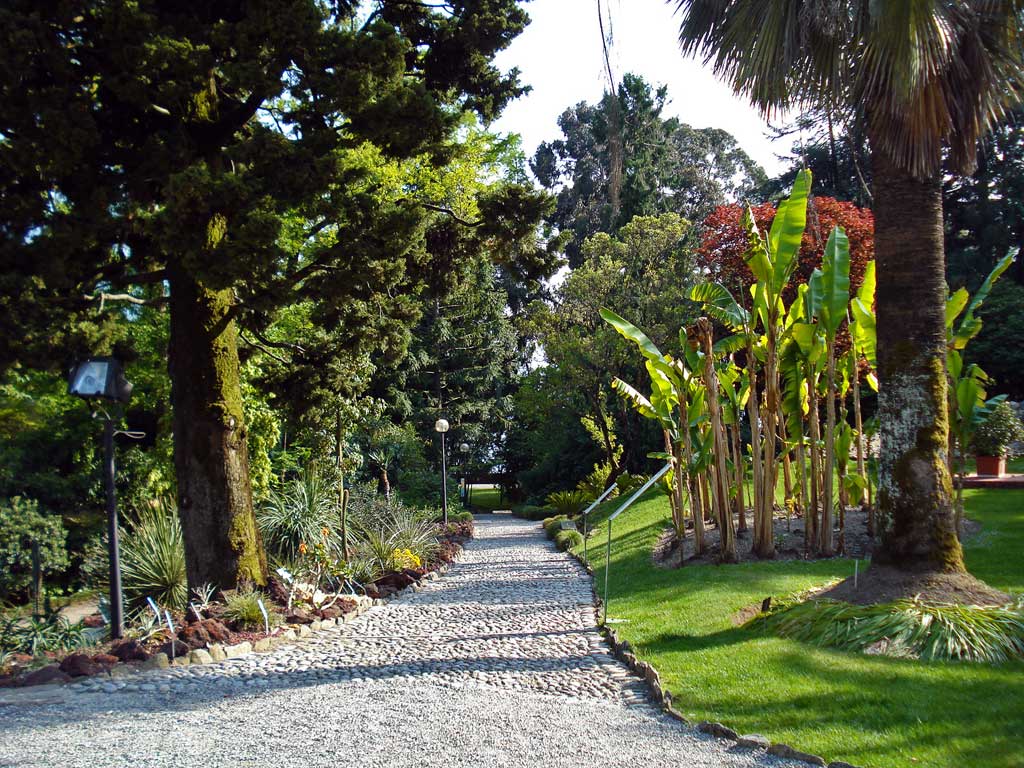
(587, 511)
(608, 549)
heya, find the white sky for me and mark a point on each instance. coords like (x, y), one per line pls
(559, 54)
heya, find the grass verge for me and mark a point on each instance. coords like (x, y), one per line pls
(867, 710)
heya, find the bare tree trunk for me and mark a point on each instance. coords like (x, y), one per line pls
(815, 436)
(915, 497)
(738, 464)
(787, 473)
(211, 454)
(825, 543)
(720, 475)
(691, 484)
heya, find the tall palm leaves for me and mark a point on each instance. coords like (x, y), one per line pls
(921, 74)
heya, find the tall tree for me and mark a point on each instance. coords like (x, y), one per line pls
(666, 166)
(643, 272)
(164, 143)
(920, 74)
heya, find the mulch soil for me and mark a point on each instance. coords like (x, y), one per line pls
(885, 584)
(852, 541)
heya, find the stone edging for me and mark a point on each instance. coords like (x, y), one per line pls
(624, 652)
(218, 652)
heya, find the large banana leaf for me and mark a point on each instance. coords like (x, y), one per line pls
(835, 281)
(865, 330)
(866, 292)
(757, 257)
(634, 398)
(970, 326)
(954, 306)
(787, 231)
(647, 347)
(720, 304)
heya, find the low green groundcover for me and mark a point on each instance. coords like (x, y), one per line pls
(906, 628)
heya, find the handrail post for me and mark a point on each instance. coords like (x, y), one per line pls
(608, 547)
(586, 512)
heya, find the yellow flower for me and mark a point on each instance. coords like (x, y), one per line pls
(302, 548)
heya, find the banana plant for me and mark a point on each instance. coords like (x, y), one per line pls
(829, 292)
(772, 259)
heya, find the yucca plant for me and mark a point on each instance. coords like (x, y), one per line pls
(297, 513)
(153, 557)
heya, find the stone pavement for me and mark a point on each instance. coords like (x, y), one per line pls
(504, 645)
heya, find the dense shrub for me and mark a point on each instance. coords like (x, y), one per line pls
(21, 523)
(153, 557)
(465, 516)
(553, 525)
(566, 540)
(533, 512)
(997, 434)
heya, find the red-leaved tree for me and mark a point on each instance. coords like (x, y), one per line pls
(724, 243)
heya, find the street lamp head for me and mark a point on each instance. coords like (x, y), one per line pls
(99, 377)
(441, 425)
(464, 447)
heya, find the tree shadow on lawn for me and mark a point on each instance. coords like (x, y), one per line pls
(878, 706)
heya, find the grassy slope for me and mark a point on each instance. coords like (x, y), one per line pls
(870, 711)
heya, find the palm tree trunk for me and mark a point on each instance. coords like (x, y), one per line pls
(915, 494)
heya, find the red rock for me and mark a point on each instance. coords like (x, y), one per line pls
(93, 621)
(298, 616)
(79, 665)
(217, 630)
(346, 604)
(105, 659)
(174, 649)
(194, 636)
(48, 674)
(278, 591)
(129, 650)
(372, 592)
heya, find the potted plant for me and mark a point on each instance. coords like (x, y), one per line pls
(995, 437)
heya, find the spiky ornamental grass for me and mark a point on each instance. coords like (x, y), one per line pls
(911, 628)
(153, 557)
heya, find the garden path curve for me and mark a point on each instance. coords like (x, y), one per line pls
(497, 663)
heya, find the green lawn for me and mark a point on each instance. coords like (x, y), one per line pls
(487, 498)
(870, 711)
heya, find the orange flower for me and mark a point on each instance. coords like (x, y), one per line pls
(302, 548)
(325, 532)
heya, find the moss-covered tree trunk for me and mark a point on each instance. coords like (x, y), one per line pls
(915, 497)
(211, 457)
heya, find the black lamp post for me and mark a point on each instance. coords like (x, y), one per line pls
(101, 378)
(441, 426)
(464, 449)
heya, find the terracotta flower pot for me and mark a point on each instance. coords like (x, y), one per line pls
(991, 466)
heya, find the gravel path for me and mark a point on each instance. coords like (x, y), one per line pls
(498, 663)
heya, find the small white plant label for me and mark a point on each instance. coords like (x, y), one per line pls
(263, 610)
(283, 573)
(155, 608)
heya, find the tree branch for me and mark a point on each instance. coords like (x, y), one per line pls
(103, 298)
